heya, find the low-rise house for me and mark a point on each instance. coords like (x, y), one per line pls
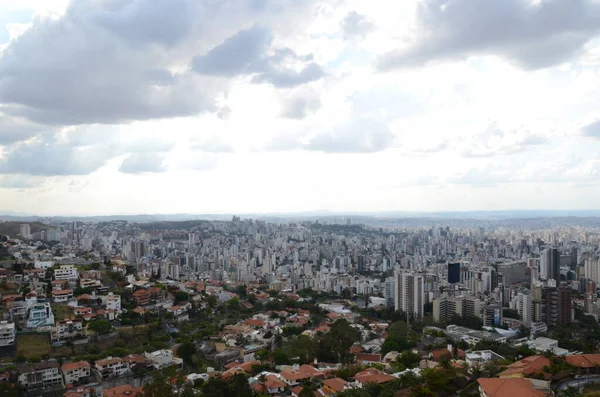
(371, 375)
(67, 330)
(334, 385)
(163, 358)
(42, 376)
(141, 297)
(123, 391)
(91, 390)
(7, 334)
(76, 372)
(497, 387)
(477, 359)
(40, 315)
(111, 368)
(269, 383)
(543, 344)
(62, 295)
(366, 358)
(526, 367)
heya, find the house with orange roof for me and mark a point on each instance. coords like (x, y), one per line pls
(123, 391)
(367, 358)
(75, 372)
(588, 362)
(509, 387)
(372, 375)
(526, 367)
(271, 385)
(62, 295)
(334, 385)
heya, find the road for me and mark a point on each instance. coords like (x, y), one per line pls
(578, 383)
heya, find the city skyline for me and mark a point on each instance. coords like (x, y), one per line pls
(247, 106)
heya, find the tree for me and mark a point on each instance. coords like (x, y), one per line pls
(181, 296)
(340, 338)
(307, 391)
(160, 386)
(102, 327)
(186, 351)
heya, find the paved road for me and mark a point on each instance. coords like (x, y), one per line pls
(578, 383)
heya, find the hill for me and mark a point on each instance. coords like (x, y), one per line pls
(13, 229)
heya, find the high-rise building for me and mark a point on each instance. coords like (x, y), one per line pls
(389, 292)
(409, 293)
(492, 315)
(550, 264)
(592, 269)
(525, 307)
(557, 308)
(25, 231)
(454, 272)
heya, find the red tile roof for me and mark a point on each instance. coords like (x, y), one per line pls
(511, 387)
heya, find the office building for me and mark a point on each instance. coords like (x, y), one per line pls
(453, 273)
(525, 307)
(492, 315)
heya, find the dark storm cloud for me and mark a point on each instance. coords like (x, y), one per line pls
(530, 35)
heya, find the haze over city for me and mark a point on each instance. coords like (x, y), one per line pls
(245, 106)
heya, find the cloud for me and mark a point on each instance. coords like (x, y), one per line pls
(481, 177)
(14, 129)
(103, 62)
(46, 157)
(140, 163)
(211, 145)
(247, 53)
(242, 53)
(300, 106)
(495, 141)
(592, 130)
(19, 182)
(358, 136)
(355, 25)
(532, 35)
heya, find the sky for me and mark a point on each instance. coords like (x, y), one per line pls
(249, 106)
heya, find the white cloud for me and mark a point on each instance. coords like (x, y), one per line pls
(241, 96)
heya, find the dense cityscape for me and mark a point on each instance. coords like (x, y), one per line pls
(330, 307)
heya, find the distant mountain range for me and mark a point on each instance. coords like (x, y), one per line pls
(320, 215)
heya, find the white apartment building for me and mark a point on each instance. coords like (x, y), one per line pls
(74, 372)
(163, 358)
(67, 329)
(7, 334)
(409, 293)
(40, 376)
(111, 367)
(66, 272)
(113, 302)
